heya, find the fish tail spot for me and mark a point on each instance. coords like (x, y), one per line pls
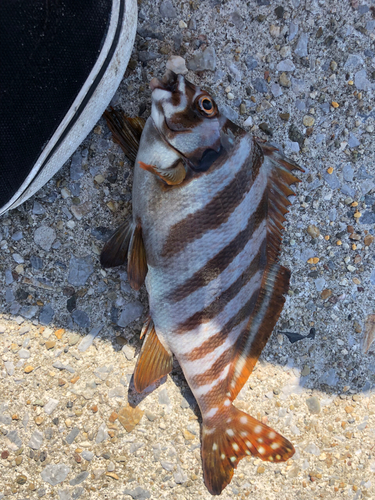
(224, 445)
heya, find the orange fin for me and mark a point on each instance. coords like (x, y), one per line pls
(125, 131)
(264, 317)
(115, 250)
(172, 176)
(154, 361)
(237, 435)
(275, 281)
(137, 263)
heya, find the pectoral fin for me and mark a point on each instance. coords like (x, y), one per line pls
(154, 361)
(137, 263)
(172, 176)
(115, 250)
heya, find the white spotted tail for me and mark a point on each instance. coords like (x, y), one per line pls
(233, 435)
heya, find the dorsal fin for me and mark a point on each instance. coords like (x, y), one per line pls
(115, 250)
(154, 361)
(126, 131)
(275, 281)
(137, 263)
(266, 312)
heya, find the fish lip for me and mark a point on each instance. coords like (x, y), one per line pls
(165, 83)
(155, 83)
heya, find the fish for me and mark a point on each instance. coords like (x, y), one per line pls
(208, 206)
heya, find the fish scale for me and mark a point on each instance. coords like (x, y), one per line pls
(208, 209)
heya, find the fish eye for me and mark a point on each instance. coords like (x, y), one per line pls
(207, 105)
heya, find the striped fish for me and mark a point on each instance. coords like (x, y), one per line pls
(209, 202)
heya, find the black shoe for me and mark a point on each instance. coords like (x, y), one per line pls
(61, 63)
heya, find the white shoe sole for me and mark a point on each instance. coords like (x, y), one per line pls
(89, 104)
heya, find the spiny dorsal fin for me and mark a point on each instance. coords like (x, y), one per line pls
(115, 250)
(280, 178)
(137, 263)
(126, 131)
(172, 176)
(154, 361)
(237, 435)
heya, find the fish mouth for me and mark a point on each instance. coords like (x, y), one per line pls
(167, 82)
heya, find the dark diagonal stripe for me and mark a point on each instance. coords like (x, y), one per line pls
(217, 211)
(219, 338)
(215, 266)
(215, 370)
(211, 311)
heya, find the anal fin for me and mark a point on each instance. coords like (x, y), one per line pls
(154, 361)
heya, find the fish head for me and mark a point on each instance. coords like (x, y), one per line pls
(188, 119)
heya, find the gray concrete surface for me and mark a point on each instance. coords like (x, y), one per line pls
(302, 74)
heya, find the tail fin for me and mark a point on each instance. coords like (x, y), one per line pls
(240, 435)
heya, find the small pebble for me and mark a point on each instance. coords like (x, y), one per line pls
(301, 47)
(248, 122)
(313, 231)
(82, 476)
(18, 258)
(138, 493)
(177, 64)
(38, 208)
(130, 417)
(205, 60)
(44, 236)
(260, 85)
(167, 9)
(285, 80)
(130, 313)
(36, 440)
(80, 269)
(308, 121)
(46, 314)
(286, 65)
(313, 405)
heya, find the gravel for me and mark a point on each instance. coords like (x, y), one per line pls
(46, 314)
(138, 493)
(130, 313)
(51, 406)
(82, 476)
(80, 269)
(36, 440)
(44, 236)
(72, 435)
(55, 474)
(81, 318)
